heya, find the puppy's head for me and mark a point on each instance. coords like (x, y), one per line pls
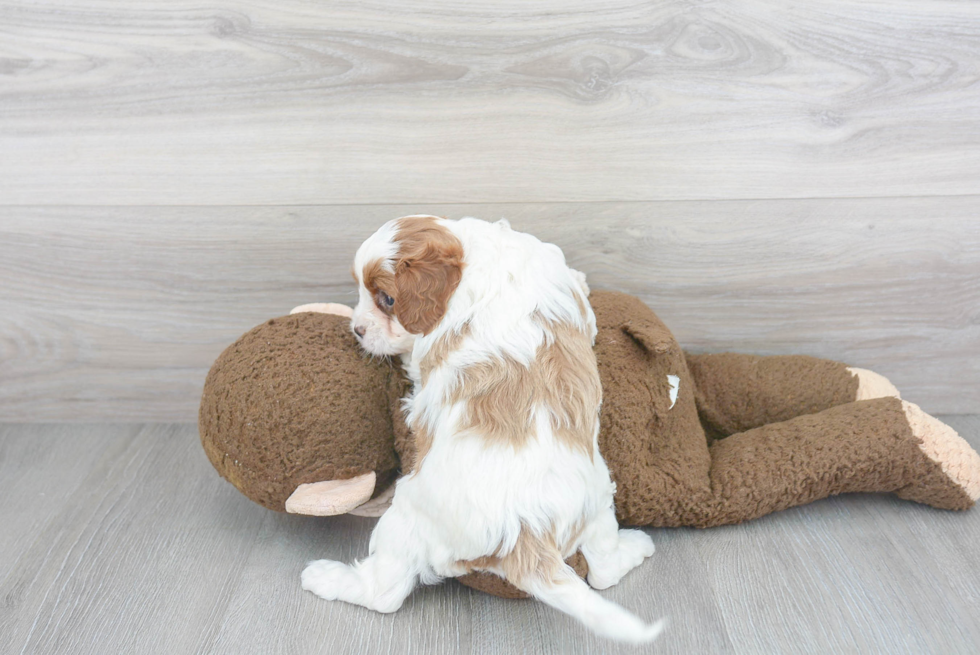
(406, 273)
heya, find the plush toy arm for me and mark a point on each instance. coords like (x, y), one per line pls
(331, 497)
(334, 497)
(737, 392)
(883, 445)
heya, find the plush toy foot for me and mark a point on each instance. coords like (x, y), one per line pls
(958, 485)
(872, 385)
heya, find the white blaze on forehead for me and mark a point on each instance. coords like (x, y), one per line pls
(675, 385)
(380, 245)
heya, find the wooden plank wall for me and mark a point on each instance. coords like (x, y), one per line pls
(770, 177)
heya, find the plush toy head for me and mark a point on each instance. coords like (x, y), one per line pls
(295, 402)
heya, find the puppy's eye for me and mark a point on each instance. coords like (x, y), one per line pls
(385, 301)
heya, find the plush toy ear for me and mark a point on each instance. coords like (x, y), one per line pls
(324, 308)
(652, 335)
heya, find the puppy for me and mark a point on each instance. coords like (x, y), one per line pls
(496, 333)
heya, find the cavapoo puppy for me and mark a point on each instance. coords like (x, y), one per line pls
(496, 332)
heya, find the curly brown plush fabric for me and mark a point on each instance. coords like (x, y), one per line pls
(767, 389)
(786, 430)
(865, 446)
(294, 401)
(657, 454)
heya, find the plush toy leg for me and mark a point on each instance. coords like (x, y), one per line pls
(960, 464)
(740, 392)
(883, 445)
(380, 582)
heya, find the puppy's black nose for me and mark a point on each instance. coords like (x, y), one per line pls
(359, 330)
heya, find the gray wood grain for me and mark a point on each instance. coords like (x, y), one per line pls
(124, 540)
(291, 102)
(135, 551)
(115, 314)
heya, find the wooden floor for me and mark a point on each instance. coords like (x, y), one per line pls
(122, 539)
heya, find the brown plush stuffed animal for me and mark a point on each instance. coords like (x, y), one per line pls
(299, 420)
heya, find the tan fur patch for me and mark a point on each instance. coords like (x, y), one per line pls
(532, 555)
(440, 350)
(581, 307)
(428, 270)
(376, 278)
(423, 443)
(502, 395)
(437, 354)
(571, 385)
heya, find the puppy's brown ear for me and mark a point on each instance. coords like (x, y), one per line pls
(430, 264)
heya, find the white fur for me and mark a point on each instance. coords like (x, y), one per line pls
(675, 386)
(471, 499)
(382, 336)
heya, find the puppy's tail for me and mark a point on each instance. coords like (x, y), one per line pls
(567, 592)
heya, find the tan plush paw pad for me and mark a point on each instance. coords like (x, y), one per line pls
(331, 497)
(943, 445)
(872, 385)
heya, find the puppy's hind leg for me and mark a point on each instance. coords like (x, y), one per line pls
(611, 552)
(380, 582)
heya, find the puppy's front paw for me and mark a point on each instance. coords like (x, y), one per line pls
(328, 579)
